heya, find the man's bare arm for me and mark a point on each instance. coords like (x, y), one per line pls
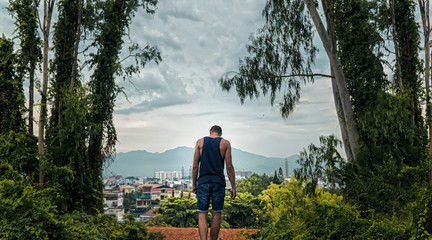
(230, 169)
(196, 158)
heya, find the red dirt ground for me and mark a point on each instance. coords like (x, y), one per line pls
(192, 233)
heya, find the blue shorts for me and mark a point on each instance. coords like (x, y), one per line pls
(213, 191)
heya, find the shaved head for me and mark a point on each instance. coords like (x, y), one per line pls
(216, 129)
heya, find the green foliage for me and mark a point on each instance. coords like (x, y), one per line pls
(358, 49)
(84, 226)
(16, 147)
(80, 123)
(254, 184)
(392, 156)
(421, 222)
(278, 177)
(408, 36)
(320, 163)
(29, 213)
(71, 153)
(288, 212)
(11, 90)
(81, 135)
(181, 212)
(284, 46)
(241, 212)
(65, 35)
(113, 21)
(25, 16)
(19, 150)
(391, 163)
(177, 212)
(129, 201)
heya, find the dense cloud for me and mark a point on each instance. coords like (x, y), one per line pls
(174, 103)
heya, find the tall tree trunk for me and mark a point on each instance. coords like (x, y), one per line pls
(396, 46)
(336, 96)
(48, 9)
(343, 126)
(31, 92)
(77, 41)
(348, 113)
(31, 76)
(424, 11)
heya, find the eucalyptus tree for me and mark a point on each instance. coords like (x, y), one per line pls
(45, 25)
(341, 94)
(281, 57)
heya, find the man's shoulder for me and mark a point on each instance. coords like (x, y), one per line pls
(225, 142)
(200, 141)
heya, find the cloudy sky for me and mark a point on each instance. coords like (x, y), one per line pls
(176, 102)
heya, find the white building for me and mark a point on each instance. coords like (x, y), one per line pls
(162, 175)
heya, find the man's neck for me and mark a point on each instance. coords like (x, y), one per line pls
(214, 135)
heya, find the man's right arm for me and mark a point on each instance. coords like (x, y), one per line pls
(196, 158)
(230, 169)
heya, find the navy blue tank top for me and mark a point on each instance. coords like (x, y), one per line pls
(211, 169)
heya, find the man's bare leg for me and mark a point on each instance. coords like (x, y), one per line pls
(202, 225)
(215, 225)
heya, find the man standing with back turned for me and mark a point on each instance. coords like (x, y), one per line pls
(210, 154)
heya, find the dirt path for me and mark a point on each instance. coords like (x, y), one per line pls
(192, 233)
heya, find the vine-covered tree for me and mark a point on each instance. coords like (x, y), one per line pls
(11, 90)
(76, 130)
(392, 133)
(115, 19)
(25, 13)
(17, 147)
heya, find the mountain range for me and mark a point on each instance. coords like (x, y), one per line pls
(144, 163)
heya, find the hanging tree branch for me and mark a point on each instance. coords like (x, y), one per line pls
(311, 75)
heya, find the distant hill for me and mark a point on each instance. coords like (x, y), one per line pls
(143, 163)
